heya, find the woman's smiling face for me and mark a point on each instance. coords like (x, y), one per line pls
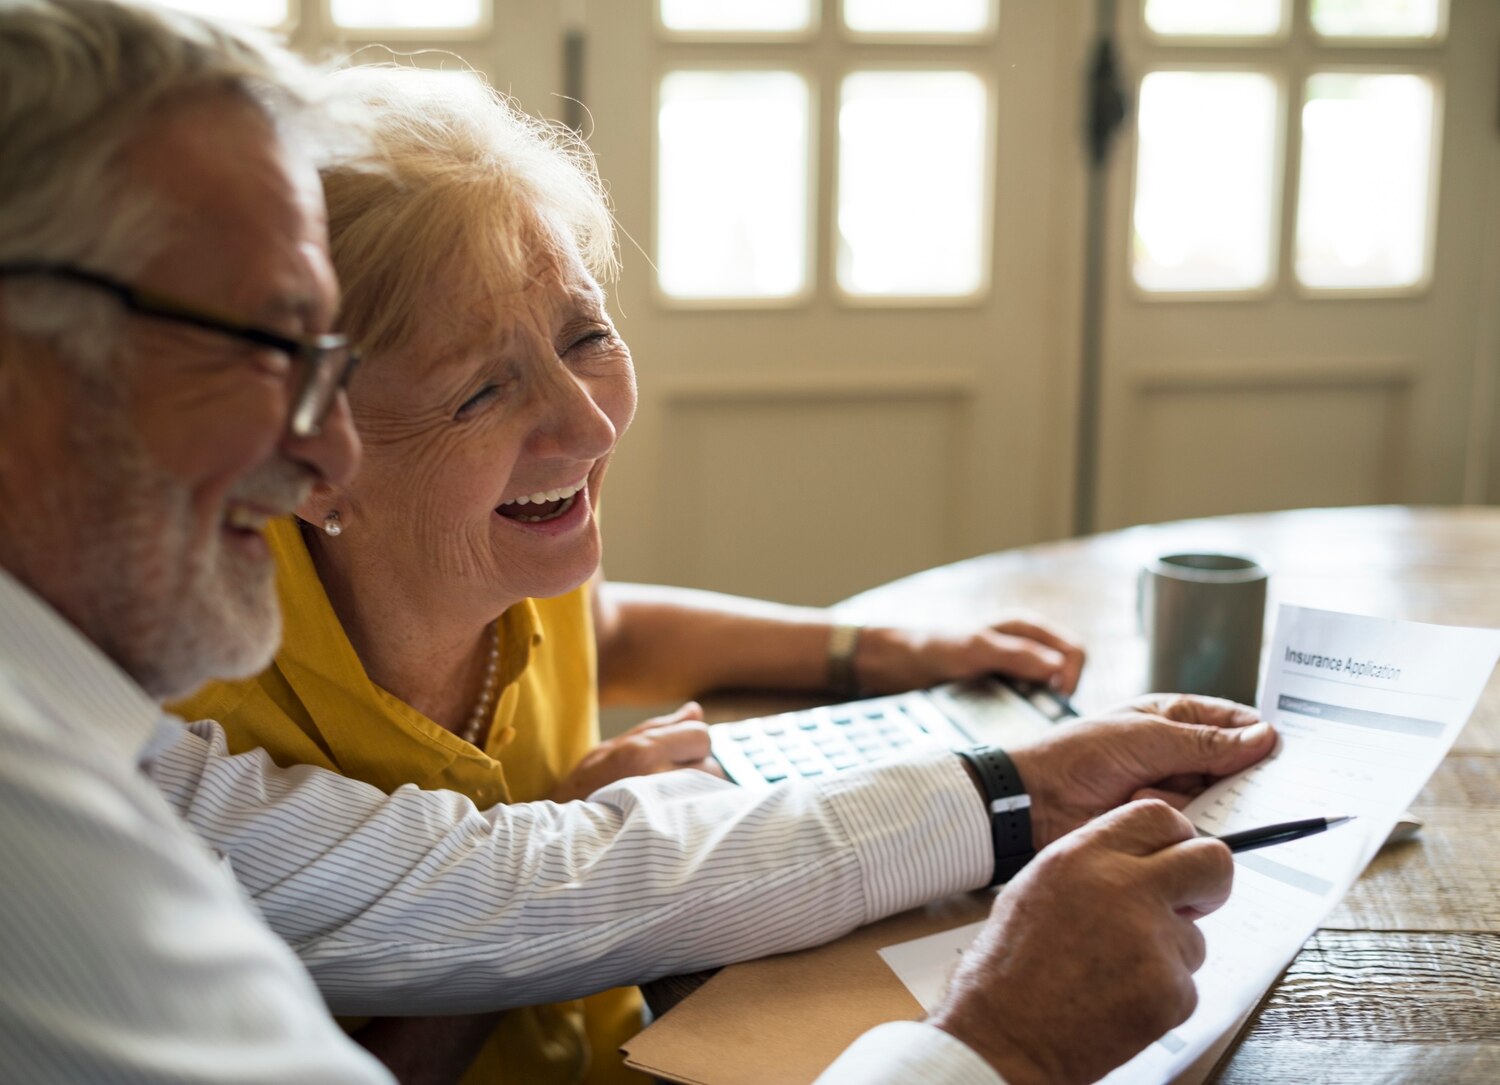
(487, 439)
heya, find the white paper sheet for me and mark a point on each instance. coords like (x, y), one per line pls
(1366, 709)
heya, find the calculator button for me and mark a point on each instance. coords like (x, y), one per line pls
(774, 777)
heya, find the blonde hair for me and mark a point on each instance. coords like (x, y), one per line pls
(465, 179)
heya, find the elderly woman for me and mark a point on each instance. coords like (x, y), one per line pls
(445, 623)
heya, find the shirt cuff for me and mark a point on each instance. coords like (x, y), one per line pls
(918, 829)
(905, 1051)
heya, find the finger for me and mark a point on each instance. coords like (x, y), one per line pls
(1163, 749)
(1191, 946)
(1186, 783)
(1177, 800)
(679, 743)
(1141, 828)
(692, 710)
(1056, 638)
(1023, 658)
(1194, 877)
(709, 765)
(1208, 711)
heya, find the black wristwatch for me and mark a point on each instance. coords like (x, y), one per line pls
(1009, 806)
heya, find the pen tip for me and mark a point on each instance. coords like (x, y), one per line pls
(1340, 820)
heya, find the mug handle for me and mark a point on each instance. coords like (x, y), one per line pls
(1140, 600)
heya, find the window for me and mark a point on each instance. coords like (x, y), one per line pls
(1380, 19)
(710, 17)
(912, 211)
(1216, 18)
(253, 12)
(1364, 199)
(1206, 181)
(1211, 190)
(404, 15)
(740, 155)
(732, 184)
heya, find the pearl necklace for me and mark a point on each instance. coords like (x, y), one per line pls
(482, 711)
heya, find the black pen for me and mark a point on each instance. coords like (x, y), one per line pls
(1267, 835)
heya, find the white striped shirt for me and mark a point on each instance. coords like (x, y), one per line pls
(130, 956)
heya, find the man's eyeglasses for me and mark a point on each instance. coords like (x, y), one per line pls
(327, 360)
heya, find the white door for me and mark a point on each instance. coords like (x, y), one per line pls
(1301, 276)
(850, 282)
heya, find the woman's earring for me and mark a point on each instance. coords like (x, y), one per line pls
(331, 523)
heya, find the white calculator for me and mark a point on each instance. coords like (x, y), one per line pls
(813, 742)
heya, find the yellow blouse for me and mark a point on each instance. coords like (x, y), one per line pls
(316, 706)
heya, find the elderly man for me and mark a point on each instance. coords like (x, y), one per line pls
(168, 383)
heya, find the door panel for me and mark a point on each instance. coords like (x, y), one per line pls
(1291, 395)
(933, 429)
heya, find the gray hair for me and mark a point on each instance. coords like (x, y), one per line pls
(79, 79)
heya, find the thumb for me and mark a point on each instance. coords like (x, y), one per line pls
(1215, 751)
(691, 710)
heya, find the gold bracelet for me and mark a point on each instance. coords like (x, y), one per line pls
(843, 640)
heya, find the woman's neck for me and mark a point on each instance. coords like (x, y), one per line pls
(428, 654)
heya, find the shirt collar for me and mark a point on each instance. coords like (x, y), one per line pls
(71, 677)
(357, 721)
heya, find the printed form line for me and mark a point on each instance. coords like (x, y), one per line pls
(1359, 717)
(1372, 689)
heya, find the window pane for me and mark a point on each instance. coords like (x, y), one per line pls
(1205, 18)
(1377, 18)
(401, 14)
(732, 176)
(928, 17)
(912, 180)
(1362, 206)
(779, 16)
(253, 12)
(1205, 181)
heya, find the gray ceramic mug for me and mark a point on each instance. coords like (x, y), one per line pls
(1202, 615)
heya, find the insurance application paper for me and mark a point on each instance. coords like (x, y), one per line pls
(1366, 708)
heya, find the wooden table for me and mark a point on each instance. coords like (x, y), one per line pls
(1403, 982)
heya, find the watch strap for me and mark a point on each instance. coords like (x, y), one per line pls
(1009, 808)
(843, 641)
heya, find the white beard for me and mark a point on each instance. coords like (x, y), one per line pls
(174, 611)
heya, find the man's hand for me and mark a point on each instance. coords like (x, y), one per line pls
(1088, 954)
(890, 660)
(1165, 746)
(675, 741)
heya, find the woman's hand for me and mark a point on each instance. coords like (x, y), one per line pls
(675, 741)
(889, 660)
